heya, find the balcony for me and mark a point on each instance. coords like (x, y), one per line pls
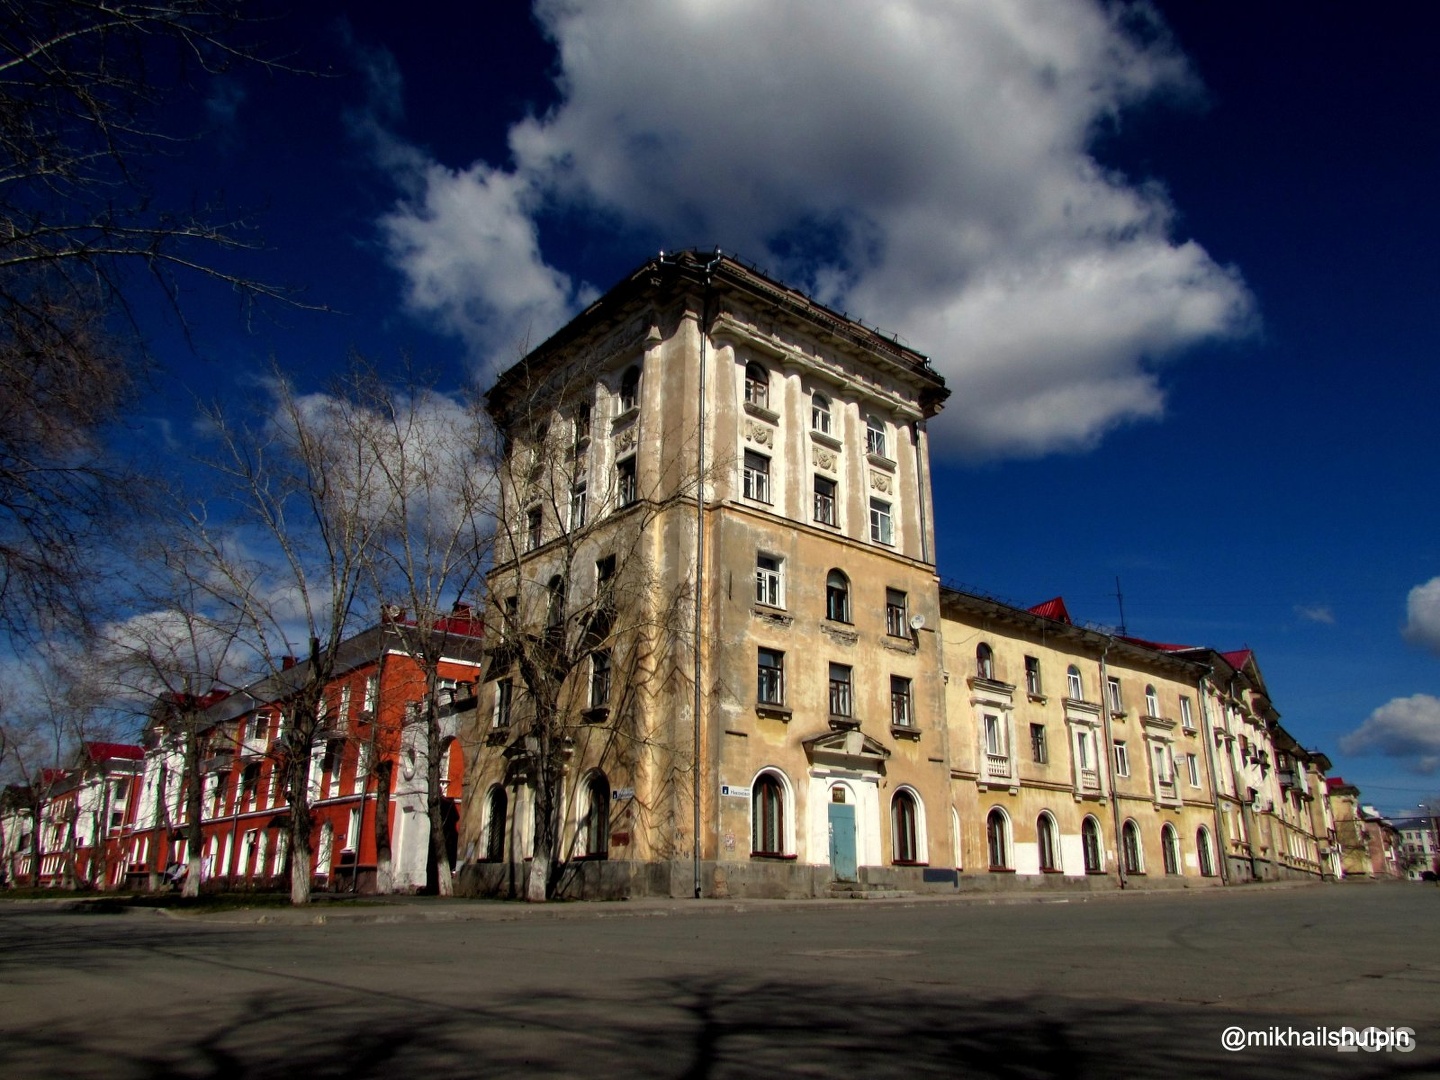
(1090, 781)
(997, 767)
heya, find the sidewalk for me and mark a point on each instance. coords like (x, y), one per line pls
(427, 909)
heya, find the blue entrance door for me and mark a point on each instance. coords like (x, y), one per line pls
(842, 841)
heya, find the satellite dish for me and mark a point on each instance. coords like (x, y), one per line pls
(917, 622)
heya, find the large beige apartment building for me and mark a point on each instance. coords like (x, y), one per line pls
(722, 662)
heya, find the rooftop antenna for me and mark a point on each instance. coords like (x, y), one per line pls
(1120, 599)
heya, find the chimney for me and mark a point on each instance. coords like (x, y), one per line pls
(286, 663)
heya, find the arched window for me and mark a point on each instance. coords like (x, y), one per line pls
(997, 838)
(1152, 702)
(630, 389)
(820, 413)
(757, 385)
(837, 597)
(1202, 849)
(767, 815)
(1074, 683)
(1048, 842)
(495, 824)
(875, 436)
(1170, 848)
(1090, 842)
(905, 825)
(985, 661)
(1130, 844)
(595, 821)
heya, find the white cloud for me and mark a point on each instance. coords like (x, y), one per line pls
(1422, 610)
(1316, 613)
(1406, 727)
(922, 165)
(468, 248)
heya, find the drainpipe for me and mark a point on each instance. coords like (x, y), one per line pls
(1110, 764)
(1208, 734)
(707, 272)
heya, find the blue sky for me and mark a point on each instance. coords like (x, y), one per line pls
(1179, 266)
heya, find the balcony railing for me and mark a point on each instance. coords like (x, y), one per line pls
(997, 766)
(1089, 780)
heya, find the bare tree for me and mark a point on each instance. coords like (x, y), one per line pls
(81, 86)
(46, 732)
(171, 661)
(589, 625)
(303, 512)
(429, 450)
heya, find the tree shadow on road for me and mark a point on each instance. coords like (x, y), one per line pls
(686, 1027)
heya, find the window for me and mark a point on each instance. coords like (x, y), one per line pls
(1163, 773)
(880, 531)
(1130, 843)
(555, 603)
(767, 816)
(1112, 686)
(630, 390)
(581, 428)
(997, 839)
(625, 485)
(985, 661)
(577, 506)
(837, 597)
(770, 677)
(904, 820)
(1192, 768)
(757, 477)
(249, 786)
(1074, 683)
(495, 824)
(840, 702)
(897, 619)
(1152, 702)
(901, 707)
(1048, 843)
(1032, 676)
(504, 693)
(1039, 752)
(994, 736)
(875, 436)
(1090, 845)
(1122, 759)
(599, 678)
(824, 500)
(534, 528)
(757, 386)
(820, 413)
(1187, 719)
(769, 581)
(1202, 850)
(1170, 848)
(595, 822)
(1082, 749)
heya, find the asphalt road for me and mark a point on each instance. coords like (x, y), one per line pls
(1132, 985)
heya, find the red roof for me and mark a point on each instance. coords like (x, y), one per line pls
(1052, 609)
(110, 751)
(1237, 659)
